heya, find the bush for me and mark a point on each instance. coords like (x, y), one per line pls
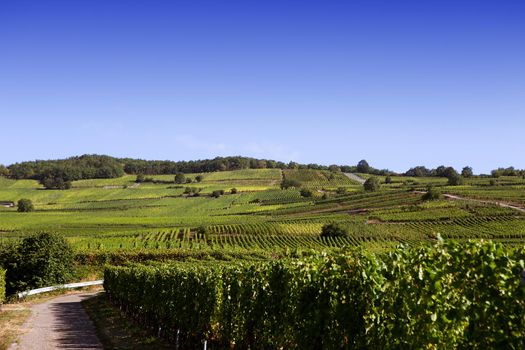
(334, 230)
(198, 178)
(341, 190)
(39, 260)
(455, 179)
(217, 193)
(180, 178)
(289, 183)
(2, 285)
(372, 184)
(202, 232)
(140, 178)
(432, 194)
(306, 193)
(25, 205)
(233, 191)
(388, 179)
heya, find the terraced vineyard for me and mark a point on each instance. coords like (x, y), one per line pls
(119, 214)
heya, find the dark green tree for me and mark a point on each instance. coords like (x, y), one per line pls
(432, 194)
(140, 178)
(290, 183)
(372, 184)
(334, 230)
(198, 178)
(233, 191)
(39, 260)
(306, 193)
(467, 172)
(25, 205)
(180, 178)
(388, 179)
(363, 167)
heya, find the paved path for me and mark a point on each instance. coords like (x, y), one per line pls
(356, 178)
(60, 323)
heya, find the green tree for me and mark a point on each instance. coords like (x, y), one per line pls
(388, 179)
(372, 184)
(39, 260)
(140, 178)
(306, 193)
(467, 172)
(25, 205)
(290, 183)
(202, 232)
(233, 191)
(454, 179)
(217, 193)
(180, 178)
(363, 167)
(334, 230)
(432, 194)
(198, 178)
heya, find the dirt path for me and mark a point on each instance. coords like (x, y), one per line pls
(356, 178)
(501, 204)
(60, 323)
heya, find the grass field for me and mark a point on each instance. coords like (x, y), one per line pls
(109, 214)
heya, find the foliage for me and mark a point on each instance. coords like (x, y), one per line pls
(467, 172)
(334, 230)
(217, 193)
(372, 184)
(2, 285)
(432, 194)
(180, 178)
(140, 178)
(306, 193)
(290, 183)
(25, 205)
(198, 178)
(454, 179)
(446, 296)
(234, 191)
(388, 179)
(37, 261)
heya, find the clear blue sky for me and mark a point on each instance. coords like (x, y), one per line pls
(399, 83)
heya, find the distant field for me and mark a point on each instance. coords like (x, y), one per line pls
(114, 214)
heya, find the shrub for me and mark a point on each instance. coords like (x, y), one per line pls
(39, 260)
(180, 178)
(217, 193)
(25, 205)
(306, 193)
(2, 285)
(140, 178)
(202, 232)
(388, 179)
(334, 230)
(372, 184)
(432, 194)
(198, 178)
(233, 191)
(341, 190)
(288, 183)
(455, 179)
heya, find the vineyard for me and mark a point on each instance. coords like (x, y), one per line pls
(234, 260)
(430, 297)
(102, 215)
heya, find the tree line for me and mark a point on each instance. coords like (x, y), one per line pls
(58, 174)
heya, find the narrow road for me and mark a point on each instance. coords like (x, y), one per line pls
(356, 178)
(60, 323)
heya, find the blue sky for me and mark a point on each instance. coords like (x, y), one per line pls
(399, 83)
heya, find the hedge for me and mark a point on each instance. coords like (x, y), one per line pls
(2, 285)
